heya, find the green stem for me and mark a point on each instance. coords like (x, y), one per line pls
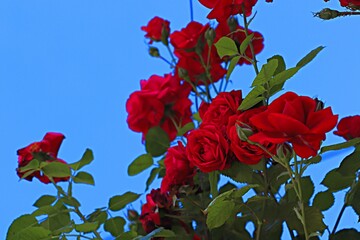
(76, 209)
(339, 218)
(171, 54)
(254, 61)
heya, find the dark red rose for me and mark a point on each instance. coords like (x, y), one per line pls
(150, 217)
(353, 4)
(48, 148)
(349, 127)
(224, 105)
(294, 119)
(179, 171)
(223, 9)
(245, 152)
(150, 211)
(157, 29)
(144, 111)
(207, 148)
(238, 35)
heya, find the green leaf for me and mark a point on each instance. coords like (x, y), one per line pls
(339, 146)
(86, 159)
(323, 200)
(226, 47)
(140, 164)
(32, 233)
(336, 182)
(127, 236)
(115, 226)
(86, 227)
(345, 234)
(352, 198)
(58, 217)
(20, 224)
(313, 160)
(165, 233)
(282, 77)
(266, 72)
(252, 98)
(351, 164)
(307, 187)
(156, 141)
(118, 202)
(239, 193)
(213, 180)
(189, 126)
(281, 63)
(32, 165)
(244, 45)
(57, 169)
(219, 212)
(99, 215)
(239, 172)
(197, 117)
(313, 218)
(309, 57)
(232, 66)
(84, 177)
(154, 172)
(44, 200)
(71, 201)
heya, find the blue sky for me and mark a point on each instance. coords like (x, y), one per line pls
(69, 66)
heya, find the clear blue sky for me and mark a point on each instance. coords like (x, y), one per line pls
(69, 66)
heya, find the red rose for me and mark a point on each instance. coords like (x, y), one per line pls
(238, 35)
(162, 101)
(207, 148)
(294, 119)
(157, 29)
(354, 4)
(224, 105)
(49, 148)
(189, 37)
(245, 152)
(144, 111)
(349, 127)
(223, 9)
(179, 171)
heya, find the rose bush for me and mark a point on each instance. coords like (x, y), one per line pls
(225, 160)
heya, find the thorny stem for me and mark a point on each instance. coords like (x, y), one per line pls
(339, 218)
(295, 180)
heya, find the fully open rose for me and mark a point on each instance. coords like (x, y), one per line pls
(292, 118)
(208, 149)
(48, 149)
